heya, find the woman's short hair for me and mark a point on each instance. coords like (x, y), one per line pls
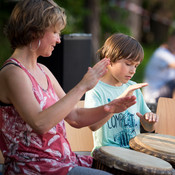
(120, 46)
(30, 19)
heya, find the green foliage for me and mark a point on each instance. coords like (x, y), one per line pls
(113, 19)
(5, 49)
(148, 51)
(76, 13)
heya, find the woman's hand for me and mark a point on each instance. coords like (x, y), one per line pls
(93, 74)
(120, 104)
(125, 100)
(115, 106)
(129, 91)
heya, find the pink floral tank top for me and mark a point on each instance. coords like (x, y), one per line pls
(29, 153)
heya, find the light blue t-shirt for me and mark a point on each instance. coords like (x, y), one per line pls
(123, 126)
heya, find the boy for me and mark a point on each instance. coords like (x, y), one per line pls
(125, 54)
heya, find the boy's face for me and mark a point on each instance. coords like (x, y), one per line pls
(122, 71)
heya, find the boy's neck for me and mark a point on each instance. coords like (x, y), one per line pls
(108, 79)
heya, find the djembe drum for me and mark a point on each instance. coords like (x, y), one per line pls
(122, 161)
(161, 146)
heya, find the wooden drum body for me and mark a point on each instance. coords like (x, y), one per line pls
(121, 161)
(161, 146)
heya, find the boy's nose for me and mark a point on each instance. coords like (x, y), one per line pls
(133, 70)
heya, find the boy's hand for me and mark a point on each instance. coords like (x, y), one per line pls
(149, 117)
(129, 91)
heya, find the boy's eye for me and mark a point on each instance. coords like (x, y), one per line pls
(132, 64)
(128, 64)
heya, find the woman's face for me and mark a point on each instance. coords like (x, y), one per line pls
(49, 41)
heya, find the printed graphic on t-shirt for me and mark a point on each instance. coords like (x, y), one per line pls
(122, 125)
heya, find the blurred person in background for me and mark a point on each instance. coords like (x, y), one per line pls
(160, 72)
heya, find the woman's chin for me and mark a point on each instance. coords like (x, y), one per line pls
(46, 55)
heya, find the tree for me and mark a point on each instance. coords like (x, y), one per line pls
(135, 18)
(101, 18)
(92, 24)
(161, 16)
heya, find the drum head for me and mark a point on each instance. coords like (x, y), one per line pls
(132, 161)
(162, 146)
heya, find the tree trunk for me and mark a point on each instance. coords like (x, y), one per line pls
(135, 17)
(92, 25)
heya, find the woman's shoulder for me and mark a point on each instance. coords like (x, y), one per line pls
(45, 69)
(10, 69)
(12, 79)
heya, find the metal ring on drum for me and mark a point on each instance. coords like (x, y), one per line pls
(122, 161)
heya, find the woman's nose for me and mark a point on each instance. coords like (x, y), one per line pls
(58, 40)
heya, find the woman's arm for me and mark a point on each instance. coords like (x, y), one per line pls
(97, 115)
(18, 91)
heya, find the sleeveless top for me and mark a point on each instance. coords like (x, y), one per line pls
(29, 153)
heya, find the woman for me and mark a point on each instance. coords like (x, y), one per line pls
(34, 106)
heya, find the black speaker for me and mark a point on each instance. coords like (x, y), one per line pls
(70, 59)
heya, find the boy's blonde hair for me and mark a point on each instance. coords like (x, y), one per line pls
(30, 19)
(120, 46)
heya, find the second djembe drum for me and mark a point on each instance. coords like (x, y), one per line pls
(121, 161)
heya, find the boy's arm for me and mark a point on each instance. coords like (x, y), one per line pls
(127, 93)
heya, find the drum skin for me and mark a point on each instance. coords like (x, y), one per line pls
(126, 161)
(158, 145)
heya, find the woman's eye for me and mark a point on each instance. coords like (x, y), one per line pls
(57, 32)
